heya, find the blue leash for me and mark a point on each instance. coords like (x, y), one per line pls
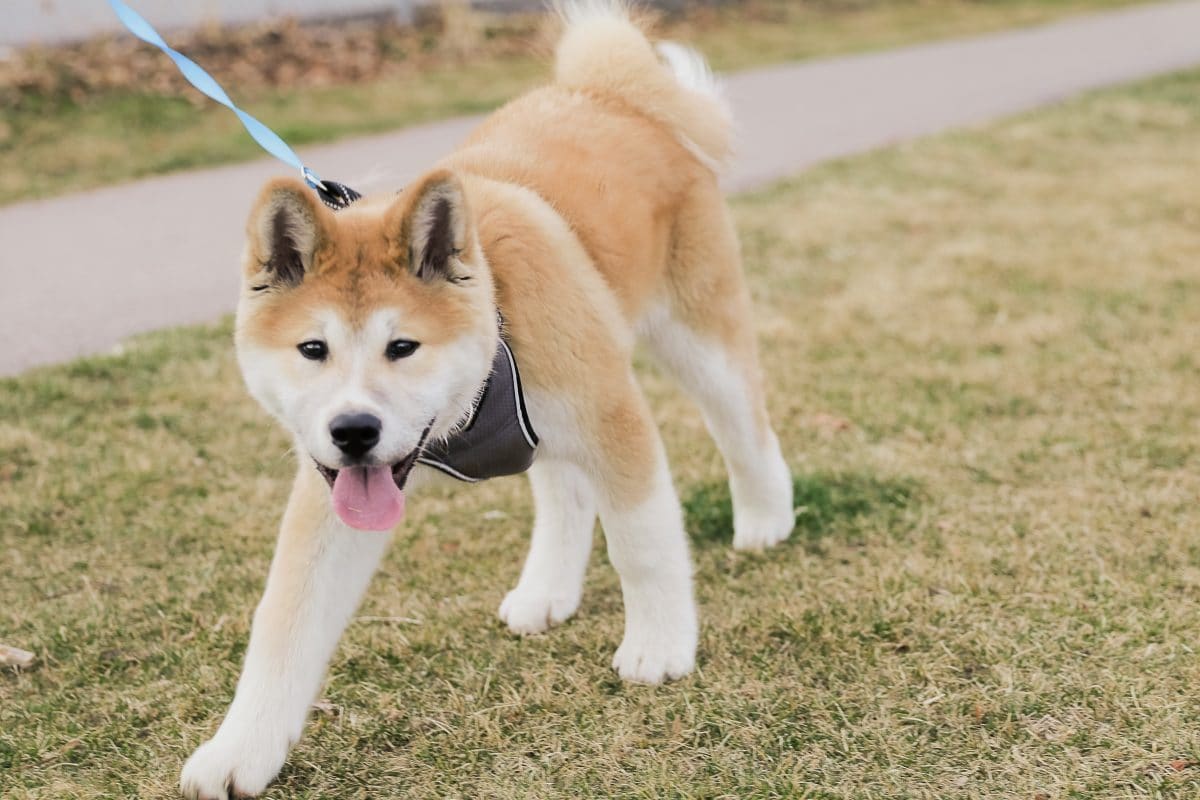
(332, 193)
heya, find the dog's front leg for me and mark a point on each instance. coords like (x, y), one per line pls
(551, 582)
(318, 575)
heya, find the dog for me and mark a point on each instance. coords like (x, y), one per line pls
(576, 221)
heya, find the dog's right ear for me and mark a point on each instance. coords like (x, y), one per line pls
(287, 226)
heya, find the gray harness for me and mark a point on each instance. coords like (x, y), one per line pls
(498, 438)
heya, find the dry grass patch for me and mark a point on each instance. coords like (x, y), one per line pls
(982, 357)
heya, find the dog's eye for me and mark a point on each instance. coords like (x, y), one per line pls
(401, 348)
(313, 350)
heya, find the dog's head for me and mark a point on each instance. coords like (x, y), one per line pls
(366, 331)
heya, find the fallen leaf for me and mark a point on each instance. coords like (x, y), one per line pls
(65, 750)
(1050, 729)
(829, 423)
(326, 707)
(16, 657)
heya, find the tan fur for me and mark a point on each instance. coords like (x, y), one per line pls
(609, 54)
(567, 327)
(360, 264)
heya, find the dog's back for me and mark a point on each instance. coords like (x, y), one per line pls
(617, 145)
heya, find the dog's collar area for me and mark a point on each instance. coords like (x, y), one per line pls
(498, 438)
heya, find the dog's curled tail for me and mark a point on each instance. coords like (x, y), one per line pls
(603, 49)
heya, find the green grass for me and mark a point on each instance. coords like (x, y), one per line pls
(828, 507)
(49, 146)
(981, 351)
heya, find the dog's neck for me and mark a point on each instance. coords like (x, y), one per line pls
(497, 438)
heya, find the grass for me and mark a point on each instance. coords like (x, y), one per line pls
(983, 366)
(53, 145)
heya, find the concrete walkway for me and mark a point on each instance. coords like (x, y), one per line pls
(84, 271)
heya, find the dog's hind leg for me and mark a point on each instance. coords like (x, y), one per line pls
(703, 335)
(643, 529)
(318, 575)
(551, 583)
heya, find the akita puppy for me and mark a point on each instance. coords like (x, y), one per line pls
(577, 219)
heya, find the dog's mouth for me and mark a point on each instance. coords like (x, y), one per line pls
(371, 497)
(399, 470)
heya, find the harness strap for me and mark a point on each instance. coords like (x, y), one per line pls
(498, 438)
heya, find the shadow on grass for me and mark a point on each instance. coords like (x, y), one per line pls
(842, 506)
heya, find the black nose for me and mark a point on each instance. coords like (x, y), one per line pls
(355, 434)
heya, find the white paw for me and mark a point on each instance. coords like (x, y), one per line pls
(226, 767)
(528, 611)
(755, 529)
(654, 659)
(764, 512)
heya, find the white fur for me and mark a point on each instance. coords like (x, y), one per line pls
(648, 547)
(759, 479)
(564, 493)
(577, 12)
(356, 377)
(551, 583)
(285, 663)
(694, 74)
(690, 69)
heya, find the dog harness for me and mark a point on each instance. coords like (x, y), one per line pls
(498, 438)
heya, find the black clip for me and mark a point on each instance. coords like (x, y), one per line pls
(336, 195)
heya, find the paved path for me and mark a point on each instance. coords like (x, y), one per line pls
(42, 22)
(84, 271)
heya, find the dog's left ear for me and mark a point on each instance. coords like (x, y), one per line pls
(434, 228)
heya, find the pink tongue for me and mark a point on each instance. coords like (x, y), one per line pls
(367, 498)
